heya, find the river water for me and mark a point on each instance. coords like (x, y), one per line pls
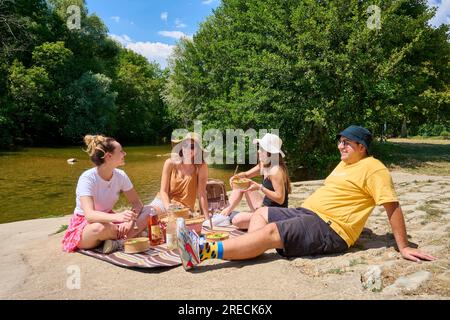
(38, 182)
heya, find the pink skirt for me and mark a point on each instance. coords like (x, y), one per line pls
(73, 234)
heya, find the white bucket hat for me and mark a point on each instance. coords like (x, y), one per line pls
(271, 143)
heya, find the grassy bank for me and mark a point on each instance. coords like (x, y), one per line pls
(419, 156)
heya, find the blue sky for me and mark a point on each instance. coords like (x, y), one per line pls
(152, 27)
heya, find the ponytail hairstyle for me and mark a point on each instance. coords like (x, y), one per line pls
(97, 146)
(284, 168)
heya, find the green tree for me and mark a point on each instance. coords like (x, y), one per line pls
(92, 48)
(309, 68)
(55, 58)
(140, 107)
(29, 89)
(90, 106)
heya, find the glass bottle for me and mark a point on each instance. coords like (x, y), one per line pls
(155, 235)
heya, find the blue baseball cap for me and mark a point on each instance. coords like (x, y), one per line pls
(358, 134)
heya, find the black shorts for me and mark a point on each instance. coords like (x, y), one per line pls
(304, 233)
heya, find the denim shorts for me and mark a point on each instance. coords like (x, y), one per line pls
(304, 233)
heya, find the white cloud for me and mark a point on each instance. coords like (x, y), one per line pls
(207, 1)
(123, 39)
(115, 18)
(153, 51)
(442, 13)
(174, 34)
(164, 16)
(179, 23)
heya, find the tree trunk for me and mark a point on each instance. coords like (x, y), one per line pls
(404, 132)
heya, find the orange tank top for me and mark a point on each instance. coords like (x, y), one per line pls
(183, 189)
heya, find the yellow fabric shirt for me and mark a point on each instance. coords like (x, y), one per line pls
(349, 195)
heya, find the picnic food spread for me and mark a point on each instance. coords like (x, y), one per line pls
(191, 223)
(217, 236)
(240, 183)
(179, 211)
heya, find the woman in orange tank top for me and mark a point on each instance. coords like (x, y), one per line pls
(184, 177)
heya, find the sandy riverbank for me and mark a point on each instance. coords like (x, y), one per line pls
(32, 265)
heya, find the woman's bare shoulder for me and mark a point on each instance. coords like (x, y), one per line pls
(275, 170)
(170, 163)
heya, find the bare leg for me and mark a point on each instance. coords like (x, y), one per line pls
(259, 218)
(252, 244)
(142, 222)
(94, 233)
(242, 220)
(244, 247)
(254, 200)
(235, 198)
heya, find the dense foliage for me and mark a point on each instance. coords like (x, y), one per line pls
(310, 68)
(58, 83)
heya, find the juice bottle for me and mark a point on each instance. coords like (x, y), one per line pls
(154, 230)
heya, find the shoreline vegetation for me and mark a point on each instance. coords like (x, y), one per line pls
(310, 68)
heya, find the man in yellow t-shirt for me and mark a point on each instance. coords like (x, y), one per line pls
(329, 221)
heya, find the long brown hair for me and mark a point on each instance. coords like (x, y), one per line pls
(97, 146)
(284, 168)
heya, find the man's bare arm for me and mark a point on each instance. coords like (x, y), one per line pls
(395, 216)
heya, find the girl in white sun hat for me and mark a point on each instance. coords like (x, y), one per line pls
(272, 192)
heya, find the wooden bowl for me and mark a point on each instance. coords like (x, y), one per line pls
(217, 236)
(240, 183)
(136, 245)
(182, 213)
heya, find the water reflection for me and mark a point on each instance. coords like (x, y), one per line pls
(38, 182)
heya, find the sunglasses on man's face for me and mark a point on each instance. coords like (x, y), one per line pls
(345, 143)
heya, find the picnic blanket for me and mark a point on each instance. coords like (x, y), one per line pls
(156, 257)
